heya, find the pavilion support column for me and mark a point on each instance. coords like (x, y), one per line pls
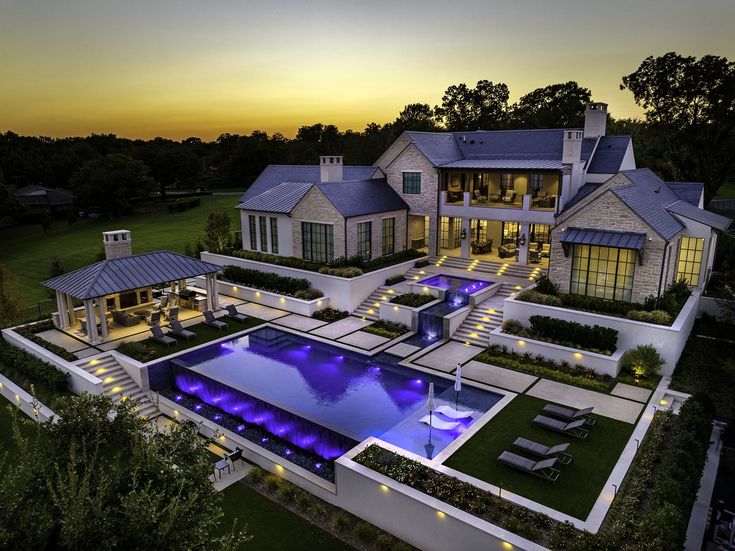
(63, 314)
(91, 321)
(208, 289)
(103, 318)
(524, 230)
(215, 294)
(70, 310)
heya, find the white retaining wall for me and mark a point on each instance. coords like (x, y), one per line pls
(24, 401)
(669, 341)
(407, 315)
(79, 380)
(274, 300)
(345, 293)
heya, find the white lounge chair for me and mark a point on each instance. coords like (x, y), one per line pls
(449, 411)
(438, 423)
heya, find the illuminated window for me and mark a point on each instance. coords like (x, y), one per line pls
(603, 272)
(317, 242)
(263, 234)
(389, 226)
(274, 235)
(690, 259)
(535, 183)
(444, 234)
(412, 183)
(506, 183)
(511, 232)
(253, 234)
(364, 240)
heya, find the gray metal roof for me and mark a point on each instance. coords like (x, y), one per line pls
(691, 192)
(582, 192)
(131, 272)
(362, 197)
(281, 198)
(503, 164)
(604, 238)
(608, 155)
(687, 210)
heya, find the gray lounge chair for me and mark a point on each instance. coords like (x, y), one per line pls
(572, 428)
(210, 320)
(570, 414)
(544, 468)
(154, 318)
(234, 314)
(547, 452)
(160, 337)
(172, 313)
(179, 331)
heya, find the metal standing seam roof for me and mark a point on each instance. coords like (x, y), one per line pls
(691, 192)
(603, 238)
(608, 155)
(131, 272)
(281, 198)
(362, 197)
(502, 164)
(687, 210)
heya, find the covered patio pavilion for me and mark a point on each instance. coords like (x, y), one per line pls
(124, 284)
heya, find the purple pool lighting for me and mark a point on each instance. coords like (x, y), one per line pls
(453, 283)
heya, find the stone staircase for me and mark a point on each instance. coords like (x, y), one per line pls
(489, 267)
(119, 386)
(370, 307)
(483, 318)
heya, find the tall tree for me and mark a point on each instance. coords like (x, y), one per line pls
(554, 106)
(11, 304)
(217, 231)
(484, 107)
(108, 184)
(690, 104)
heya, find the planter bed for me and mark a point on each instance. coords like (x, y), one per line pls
(388, 329)
(413, 300)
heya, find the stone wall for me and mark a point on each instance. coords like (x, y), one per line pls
(315, 207)
(376, 251)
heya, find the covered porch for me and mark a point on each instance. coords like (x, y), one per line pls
(124, 294)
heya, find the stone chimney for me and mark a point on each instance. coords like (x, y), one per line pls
(331, 168)
(572, 148)
(118, 244)
(595, 120)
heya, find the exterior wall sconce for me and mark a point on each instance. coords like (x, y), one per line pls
(523, 240)
(464, 233)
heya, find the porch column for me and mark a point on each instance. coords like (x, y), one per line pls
(525, 229)
(103, 318)
(61, 308)
(91, 321)
(210, 298)
(215, 294)
(466, 229)
(70, 310)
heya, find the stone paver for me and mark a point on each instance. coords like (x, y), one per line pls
(497, 376)
(572, 396)
(631, 392)
(446, 357)
(402, 350)
(86, 352)
(341, 328)
(59, 338)
(300, 323)
(366, 341)
(259, 311)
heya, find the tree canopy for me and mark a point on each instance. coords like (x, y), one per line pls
(484, 107)
(553, 106)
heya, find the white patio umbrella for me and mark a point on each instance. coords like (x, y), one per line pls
(431, 406)
(457, 384)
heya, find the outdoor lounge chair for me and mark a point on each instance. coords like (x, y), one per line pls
(154, 318)
(569, 414)
(544, 468)
(210, 320)
(572, 429)
(233, 313)
(437, 423)
(547, 452)
(179, 331)
(172, 313)
(449, 411)
(160, 337)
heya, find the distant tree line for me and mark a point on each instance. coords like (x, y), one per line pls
(687, 133)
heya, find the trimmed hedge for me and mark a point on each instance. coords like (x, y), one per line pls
(392, 280)
(389, 329)
(330, 315)
(412, 299)
(587, 337)
(29, 332)
(268, 281)
(659, 317)
(40, 373)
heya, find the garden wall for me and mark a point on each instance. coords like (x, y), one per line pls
(79, 380)
(24, 401)
(669, 341)
(345, 293)
(400, 313)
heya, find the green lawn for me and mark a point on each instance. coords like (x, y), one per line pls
(204, 333)
(579, 484)
(272, 526)
(27, 251)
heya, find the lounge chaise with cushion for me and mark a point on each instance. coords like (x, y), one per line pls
(179, 331)
(547, 452)
(160, 337)
(573, 428)
(449, 411)
(234, 314)
(544, 468)
(437, 423)
(210, 320)
(570, 414)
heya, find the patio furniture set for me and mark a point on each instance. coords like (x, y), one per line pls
(177, 330)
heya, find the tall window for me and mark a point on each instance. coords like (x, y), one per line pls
(603, 272)
(506, 183)
(364, 240)
(535, 183)
(389, 227)
(253, 233)
(510, 233)
(444, 234)
(540, 233)
(478, 229)
(317, 242)
(412, 182)
(263, 234)
(690, 259)
(274, 235)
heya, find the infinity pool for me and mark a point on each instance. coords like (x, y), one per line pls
(321, 397)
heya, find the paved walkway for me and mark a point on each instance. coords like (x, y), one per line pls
(341, 328)
(446, 357)
(259, 311)
(700, 509)
(631, 392)
(366, 341)
(604, 404)
(497, 376)
(403, 350)
(300, 323)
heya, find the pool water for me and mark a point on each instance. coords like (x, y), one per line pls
(311, 393)
(457, 284)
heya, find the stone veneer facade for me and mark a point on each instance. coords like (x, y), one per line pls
(399, 233)
(606, 212)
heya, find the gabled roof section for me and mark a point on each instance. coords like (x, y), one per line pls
(511, 144)
(691, 192)
(274, 175)
(131, 272)
(582, 192)
(711, 219)
(609, 154)
(362, 197)
(281, 198)
(647, 196)
(438, 147)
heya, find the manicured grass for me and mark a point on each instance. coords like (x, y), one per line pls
(27, 251)
(579, 484)
(204, 333)
(271, 525)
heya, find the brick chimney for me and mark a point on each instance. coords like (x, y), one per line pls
(118, 244)
(331, 168)
(595, 120)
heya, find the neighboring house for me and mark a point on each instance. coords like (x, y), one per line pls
(323, 212)
(38, 199)
(632, 236)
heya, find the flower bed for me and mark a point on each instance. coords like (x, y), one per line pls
(268, 281)
(413, 300)
(388, 329)
(597, 339)
(330, 315)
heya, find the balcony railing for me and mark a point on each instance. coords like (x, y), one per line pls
(495, 200)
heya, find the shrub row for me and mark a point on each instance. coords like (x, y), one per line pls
(392, 280)
(389, 329)
(330, 315)
(346, 271)
(288, 261)
(29, 332)
(412, 299)
(659, 317)
(593, 337)
(181, 205)
(40, 373)
(268, 281)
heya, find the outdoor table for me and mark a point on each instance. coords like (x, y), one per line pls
(221, 465)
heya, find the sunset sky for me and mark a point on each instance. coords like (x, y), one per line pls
(179, 68)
